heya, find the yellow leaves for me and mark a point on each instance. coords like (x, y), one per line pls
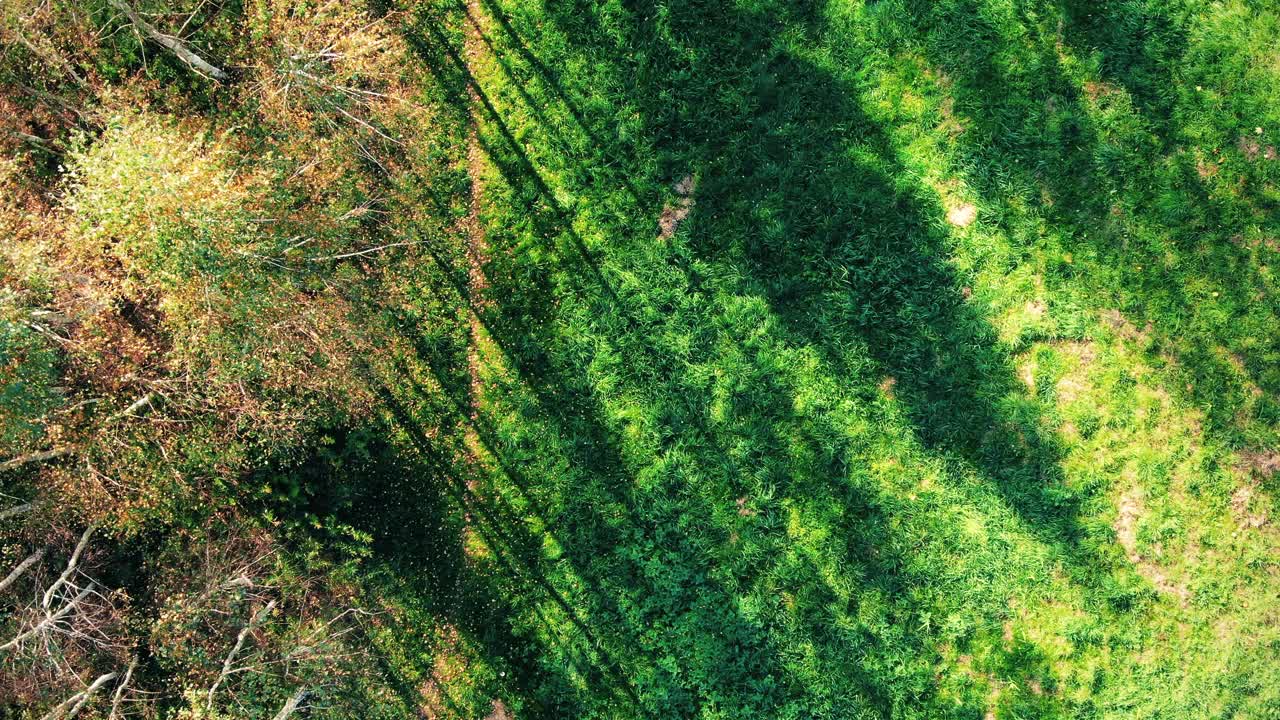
(144, 177)
(172, 261)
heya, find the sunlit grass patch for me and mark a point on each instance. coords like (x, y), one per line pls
(927, 406)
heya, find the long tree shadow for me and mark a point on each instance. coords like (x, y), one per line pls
(802, 193)
(1145, 49)
(646, 545)
(607, 537)
(609, 534)
(418, 571)
(640, 565)
(1140, 48)
(1130, 179)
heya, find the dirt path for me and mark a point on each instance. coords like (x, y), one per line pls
(480, 350)
(477, 243)
(482, 355)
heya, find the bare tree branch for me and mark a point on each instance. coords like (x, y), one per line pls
(146, 401)
(89, 691)
(71, 567)
(173, 44)
(77, 702)
(23, 566)
(53, 317)
(52, 58)
(17, 510)
(52, 99)
(36, 140)
(49, 620)
(227, 664)
(140, 403)
(34, 457)
(292, 705)
(119, 694)
(360, 253)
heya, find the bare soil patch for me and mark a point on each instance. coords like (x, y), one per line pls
(1249, 147)
(962, 216)
(499, 712)
(950, 124)
(1241, 506)
(1260, 463)
(1115, 320)
(1126, 527)
(1206, 170)
(675, 212)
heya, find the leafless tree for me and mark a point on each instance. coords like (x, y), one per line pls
(51, 622)
(68, 625)
(70, 611)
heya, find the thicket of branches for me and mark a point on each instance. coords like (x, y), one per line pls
(194, 204)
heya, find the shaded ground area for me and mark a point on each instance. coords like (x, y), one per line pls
(853, 425)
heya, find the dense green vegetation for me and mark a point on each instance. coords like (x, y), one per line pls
(649, 360)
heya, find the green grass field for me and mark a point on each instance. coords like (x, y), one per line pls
(944, 386)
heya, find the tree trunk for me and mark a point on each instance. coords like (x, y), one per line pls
(23, 566)
(173, 44)
(292, 705)
(77, 702)
(71, 567)
(33, 457)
